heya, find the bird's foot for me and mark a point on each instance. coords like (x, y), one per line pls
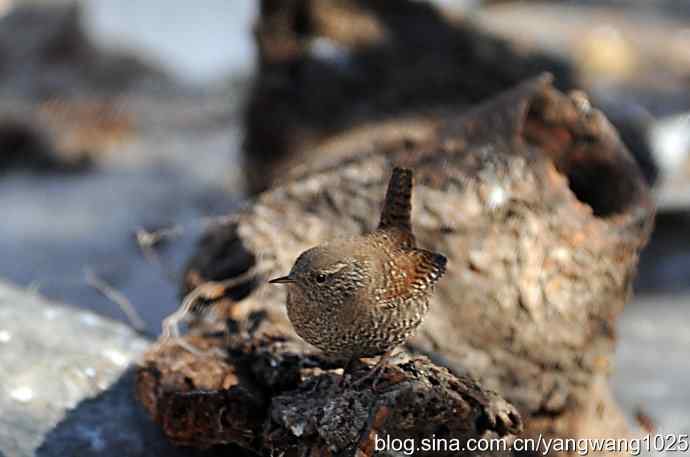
(315, 383)
(343, 381)
(375, 372)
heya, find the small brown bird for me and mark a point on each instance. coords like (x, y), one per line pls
(363, 296)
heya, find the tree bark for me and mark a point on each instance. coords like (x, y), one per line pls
(329, 66)
(271, 394)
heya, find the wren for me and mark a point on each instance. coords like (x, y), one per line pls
(362, 296)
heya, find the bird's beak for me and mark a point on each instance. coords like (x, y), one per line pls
(282, 280)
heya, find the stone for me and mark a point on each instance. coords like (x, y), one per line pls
(65, 387)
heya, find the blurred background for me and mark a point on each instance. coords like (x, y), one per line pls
(121, 130)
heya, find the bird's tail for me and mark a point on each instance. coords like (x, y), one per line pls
(397, 205)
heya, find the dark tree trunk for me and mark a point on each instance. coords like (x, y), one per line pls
(328, 66)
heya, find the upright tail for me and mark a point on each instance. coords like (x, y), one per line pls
(397, 205)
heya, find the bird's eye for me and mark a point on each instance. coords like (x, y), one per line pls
(321, 278)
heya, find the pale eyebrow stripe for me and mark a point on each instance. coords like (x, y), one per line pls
(336, 268)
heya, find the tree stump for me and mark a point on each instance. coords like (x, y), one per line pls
(538, 206)
(329, 66)
(272, 394)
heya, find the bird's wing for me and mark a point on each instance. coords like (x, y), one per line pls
(410, 273)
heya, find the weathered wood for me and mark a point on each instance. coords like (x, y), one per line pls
(331, 66)
(541, 212)
(328, 66)
(271, 395)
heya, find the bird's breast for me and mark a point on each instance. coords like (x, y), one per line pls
(361, 329)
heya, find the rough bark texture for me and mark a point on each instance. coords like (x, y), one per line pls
(330, 66)
(326, 66)
(541, 212)
(272, 394)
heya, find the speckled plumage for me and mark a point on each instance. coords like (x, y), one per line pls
(362, 296)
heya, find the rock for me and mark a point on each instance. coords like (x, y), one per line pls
(105, 425)
(64, 384)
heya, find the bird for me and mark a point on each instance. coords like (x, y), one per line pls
(364, 295)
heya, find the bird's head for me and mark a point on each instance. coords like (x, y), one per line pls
(325, 274)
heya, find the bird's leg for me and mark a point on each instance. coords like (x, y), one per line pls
(348, 367)
(314, 385)
(377, 371)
